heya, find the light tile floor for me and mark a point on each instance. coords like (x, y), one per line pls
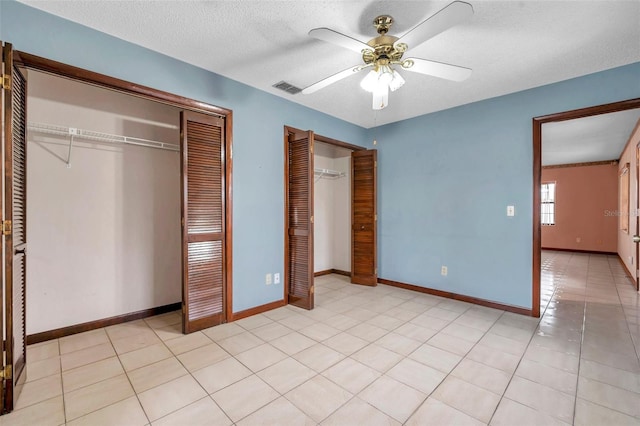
(364, 356)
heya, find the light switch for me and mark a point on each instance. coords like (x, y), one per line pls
(511, 211)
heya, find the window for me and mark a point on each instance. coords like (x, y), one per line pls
(548, 207)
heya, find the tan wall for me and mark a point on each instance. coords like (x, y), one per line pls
(586, 202)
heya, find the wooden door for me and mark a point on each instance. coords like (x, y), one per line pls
(14, 229)
(299, 219)
(364, 218)
(203, 221)
(637, 215)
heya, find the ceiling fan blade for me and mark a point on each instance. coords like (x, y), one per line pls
(339, 39)
(332, 79)
(436, 69)
(446, 18)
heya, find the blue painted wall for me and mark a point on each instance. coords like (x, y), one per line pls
(445, 180)
(259, 120)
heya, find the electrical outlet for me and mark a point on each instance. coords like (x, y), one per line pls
(578, 239)
(511, 211)
(444, 271)
(276, 278)
(268, 279)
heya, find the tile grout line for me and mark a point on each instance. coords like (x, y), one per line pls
(402, 355)
(208, 395)
(462, 358)
(369, 343)
(64, 405)
(253, 373)
(522, 357)
(625, 317)
(127, 376)
(290, 356)
(584, 321)
(599, 363)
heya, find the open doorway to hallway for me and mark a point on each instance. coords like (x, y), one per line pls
(576, 177)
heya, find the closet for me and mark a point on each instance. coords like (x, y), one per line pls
(332, 210)
(124, 192)
(313, 223)
(103, 203)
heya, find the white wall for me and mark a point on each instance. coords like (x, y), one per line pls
(323, 217)
(104, 234)
(332, 216)
(342, 216)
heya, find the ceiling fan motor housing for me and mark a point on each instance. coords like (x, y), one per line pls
(383, 48)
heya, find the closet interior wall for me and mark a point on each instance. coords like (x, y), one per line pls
(104, 231)
(332, 209)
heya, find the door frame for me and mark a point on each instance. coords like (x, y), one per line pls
(288, 130)
(37, 63)
(637, 278)
(537, 178)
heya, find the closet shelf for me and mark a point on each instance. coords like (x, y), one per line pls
(328, 174)
(50, 129)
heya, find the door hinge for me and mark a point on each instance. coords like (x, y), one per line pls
(312, 289)
(182, 222)
(375, 217)
(7, 227)
(375, 271)
(6, 372)
(311, 219)
(375, 164)
(6, 81)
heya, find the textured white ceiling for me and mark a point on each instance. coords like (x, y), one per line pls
(510, 45)
(596, 138)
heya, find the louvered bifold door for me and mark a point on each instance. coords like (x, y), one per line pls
(300, 220)
(364, 218)
(203, 227)
(14, 228)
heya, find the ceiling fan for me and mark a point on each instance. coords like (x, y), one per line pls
(385, 50)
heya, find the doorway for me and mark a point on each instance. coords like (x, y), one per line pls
(300, 218)
(537, 182)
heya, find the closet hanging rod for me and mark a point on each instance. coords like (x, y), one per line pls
(328, 174)
(51, 129)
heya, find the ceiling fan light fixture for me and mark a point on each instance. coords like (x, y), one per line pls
(386, 75)
(397, 81)
(370, 81)
(380, 97)
(379, 81)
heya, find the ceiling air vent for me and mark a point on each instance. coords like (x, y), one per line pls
(289, 88)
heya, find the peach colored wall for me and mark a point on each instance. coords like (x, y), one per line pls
(626, 247)
(584, 195)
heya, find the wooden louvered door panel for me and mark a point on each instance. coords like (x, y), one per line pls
(299, 278)
(15, 232)
(203, 228)
(364, 218)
